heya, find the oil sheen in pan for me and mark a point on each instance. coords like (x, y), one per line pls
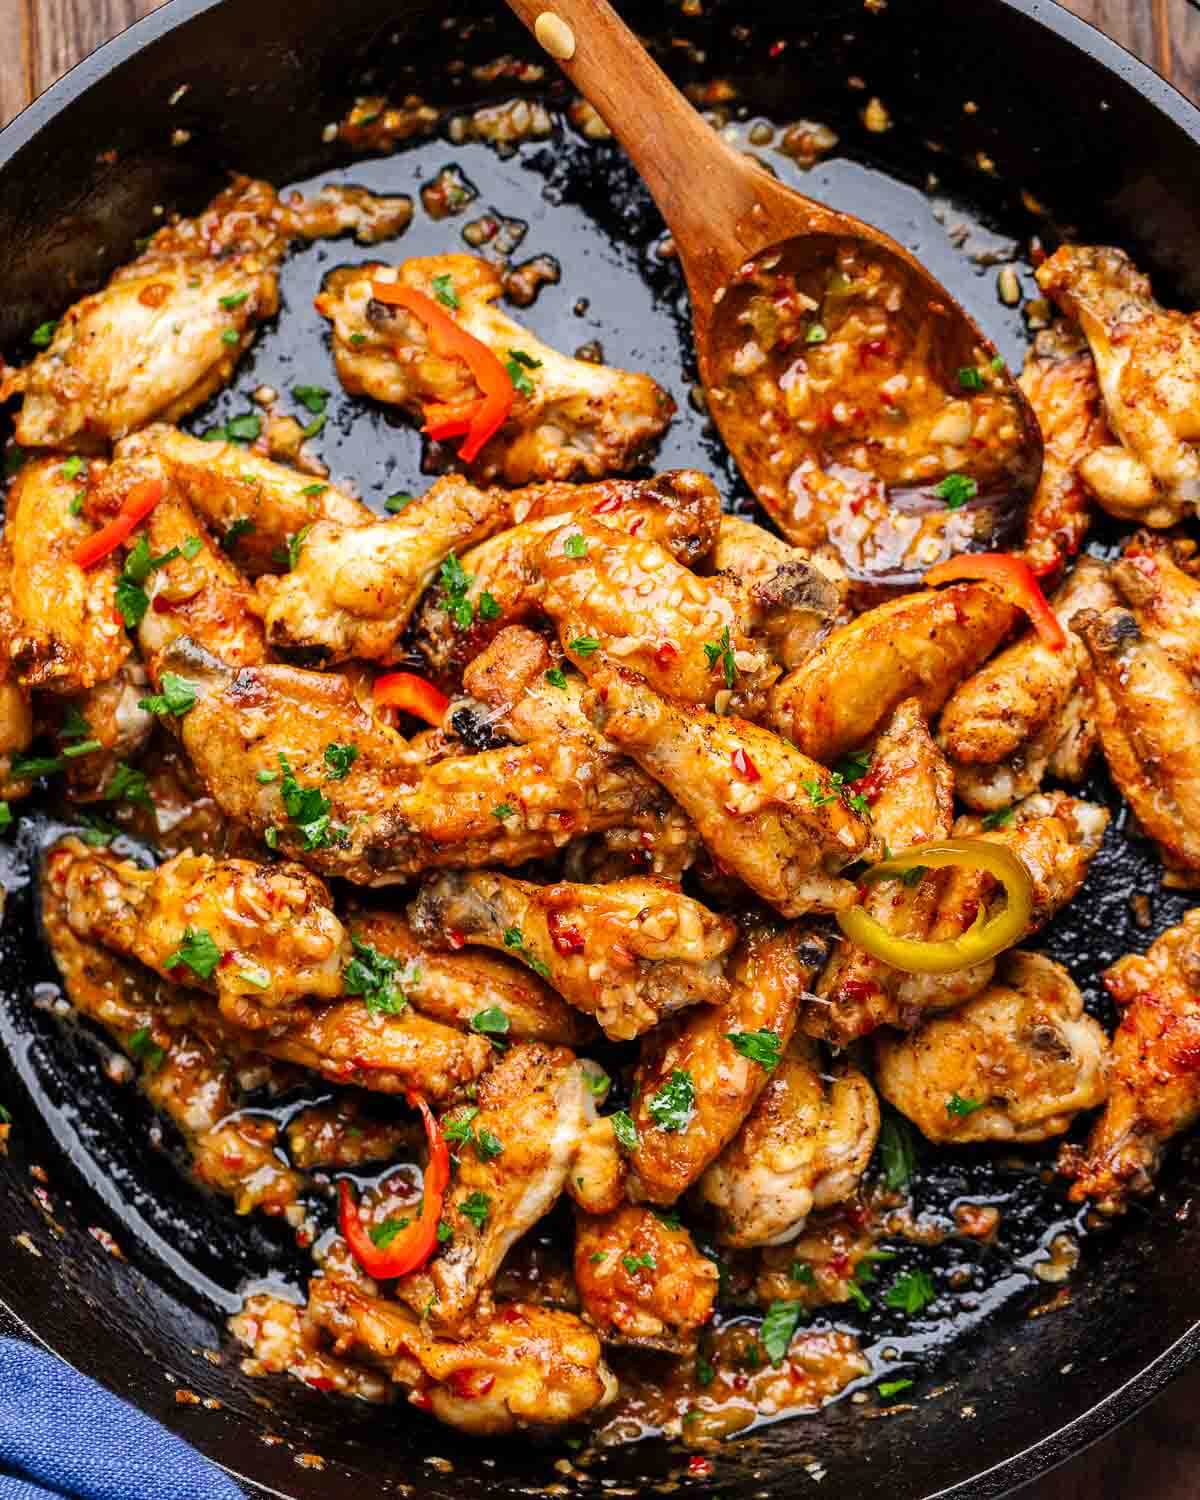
(583, 205)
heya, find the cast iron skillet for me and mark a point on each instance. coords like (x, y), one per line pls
(1105, 144)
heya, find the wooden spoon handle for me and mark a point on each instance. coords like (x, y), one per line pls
(703, 187)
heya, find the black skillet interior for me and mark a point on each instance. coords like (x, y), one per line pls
(1060, 113)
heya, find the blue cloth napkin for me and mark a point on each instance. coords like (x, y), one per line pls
(63, 1437)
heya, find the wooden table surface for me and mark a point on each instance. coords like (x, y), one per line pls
(1157, 1456)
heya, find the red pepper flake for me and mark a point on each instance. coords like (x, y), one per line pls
(775, 49)
(421, 1400)
(566, 937)
(607, 505)
(699, 1468)
(665, 655)
(853, 990)
(319, 1382)
(470, 1384)
(455, 938)
(744, 766)
(839, 1263)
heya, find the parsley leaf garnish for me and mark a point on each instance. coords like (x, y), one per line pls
(516, 365)
(970, 378)
(394, 504)
(198, 951)
(128, 785)
(778, 1329)
(383, 1234)
(672, 1107)
(443, 290)
(145, 1049)
(720, 654)
(960, 1107)
(376, 977)
(307, 808)
(584, 645)
(455, 583)
(893, 1387)
(575, 545)
(492, 1021)
(635, 1263)
(896, 1151)
(503, 810)
(177, 697)
(625, 1130)
(476, 1208)
(43, 334)
(762, 1047)
(911, 1292)
(999, 817)
(956, 490)
(339, 759)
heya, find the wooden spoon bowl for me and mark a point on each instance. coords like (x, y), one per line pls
(864, 406)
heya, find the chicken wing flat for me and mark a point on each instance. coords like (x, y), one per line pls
(615, 597)
(596, 1181)
(569, 419)
(629, 953)
(805, 1145)
(526, 1367)
(642, 1282)
(1029, 709)
(524, 1128)
(773, 817)
(1060, 381)
(255, 506)
(1056, 837)
(724, 1054)
(66, 632)
(910, 789)
(111, 714)
(352, 589)
(1156, 578)
(918, 646)
(1155, 1085)
(1015, 1063)
(501, 583)
(459, 989)
(1147, 709)
(343, 1133)
(1148, 364)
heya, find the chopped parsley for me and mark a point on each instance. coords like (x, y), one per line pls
(339, 759)
(960, 1107)
(234, 299)
(383, 1234)
(779, 1325)
(493, 1021)
(817, 334)
(454, 601)
(394, 504)
(503, 810)
(635, 1263)
(970, 378)
(96, 832)
(488, 608)
(313, 398)
(27, 767)
(516, 365)
(817, 794)
(132, 599)
(128, 785)
(487, 1145)
(800, 1271)
(672, 1107)
(73, 467)
(893, 1387)
(177, 697)
(314, 489)
(999, 817)
(444, 1233)
(854, 766)
(668, 1216)
(575, 545)
(43, 334)
(625, 1130)
(6, 816)
(240, 429)
(230, 336)
(289, 554)
(377, 979)
(583, 645)
(897, 1152)
(307, 807)
(458, 1132)
(514, 938)
(762, 1047)
(146, 1049)
(476, 1208)
(721, 653)
(911, 1292)
(443, 290)
(236, 529)
(556, 677)
(598, 1081)
(197, 951)
(956, 490)
(705, 1374)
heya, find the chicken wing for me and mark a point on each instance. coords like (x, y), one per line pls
(805, 1145)
(629, 953)
(459, 989)
(1147, 709)
(527, 1367)
(569, 419)
(918, 646)
(1155, 1086)
(256, 507)
(526, 1124)
(501, 583)
(1060, 381)
(1015, 1063)
(341, 1134)
(642, 1282)
(1148, 364)
(67, 634)
(1028, 710)
(111, 714)
(615, 597)
(1156, 578)
(773, 817)
(352, 589)
(726, 1053)
(596, 1181)
(16, 708)
(910, 789)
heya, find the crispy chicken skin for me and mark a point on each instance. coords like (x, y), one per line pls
(805, 1145)
(596, 1181)
(580, 421)
(626, 598)
(629, 953)
(535, 1102)
(1060, 381)
(1156, 578)
(1028, 710)
(278, 944)
(768, 973)
(526, 1367)
(1155, 1086)
(1148, 364)
(910, 789)
(66, 633)
(154, 343)
(919, 646)
(255, 506)
(1015, 1063)
(342, 1042)
(388, 818)
(642, 1282)
(352, 589)
(343, 1133)
(16, 707)
(454, 988)
(768, 813)
(680, 510)
(1056, 836)
(1147, 710)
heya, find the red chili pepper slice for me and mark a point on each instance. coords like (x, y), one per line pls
(417, 1241)
(413, 694)
(483, 418)
(744, 766)
(136, 506)
(1018, 581)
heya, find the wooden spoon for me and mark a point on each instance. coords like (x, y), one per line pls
(863, 405)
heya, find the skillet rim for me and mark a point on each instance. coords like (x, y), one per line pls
(1126, 1401)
